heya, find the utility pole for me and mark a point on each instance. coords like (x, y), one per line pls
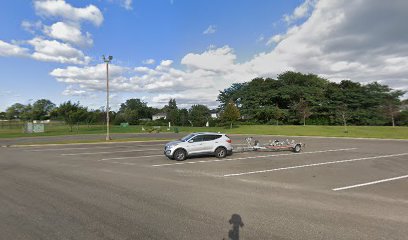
(107, 61)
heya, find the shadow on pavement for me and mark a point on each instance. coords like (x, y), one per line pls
(236, 221)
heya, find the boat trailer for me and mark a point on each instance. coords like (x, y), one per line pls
(272, 146)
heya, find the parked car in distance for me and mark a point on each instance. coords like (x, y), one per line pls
(201, 143)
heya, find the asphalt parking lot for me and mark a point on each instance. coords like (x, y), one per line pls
(334, 189)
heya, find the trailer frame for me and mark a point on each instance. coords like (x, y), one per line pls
(273, 146)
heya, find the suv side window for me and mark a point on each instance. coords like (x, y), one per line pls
(198, 138)
(211, 137)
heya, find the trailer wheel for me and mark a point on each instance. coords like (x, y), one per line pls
(297, 148)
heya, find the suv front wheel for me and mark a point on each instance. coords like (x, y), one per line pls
(220, 152)
(180, 155)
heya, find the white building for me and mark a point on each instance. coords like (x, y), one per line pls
(159, 116)
(214, 113)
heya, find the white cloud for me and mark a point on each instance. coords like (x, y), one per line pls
(127, 4)
(279, 37)
(31, 27)
(62, 34)
(210, 30)
(340, 40)
(184, 99)
(220, 59)
(5, 93)
(88, 77)
(195, 84)
(54, 51)
(45, 50)
(345, 40)
(261, 38)
(12, 50)
(68, 33)
(71, 91)
(300, 12)
(166, 63)
(148, 61)
(61, 9)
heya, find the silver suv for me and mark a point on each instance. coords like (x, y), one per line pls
(202, 143)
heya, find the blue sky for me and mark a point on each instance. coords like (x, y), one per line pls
(189, 50)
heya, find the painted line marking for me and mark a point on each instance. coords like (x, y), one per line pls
(124, 163)
(96, 147)
(119, 158)
(253, 157)
(313, 165)
(90, 153)
(63, 149)
(87, 143)
(370, 183)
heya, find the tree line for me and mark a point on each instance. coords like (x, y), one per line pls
(297, 98)
(134, 111)
(291, 98)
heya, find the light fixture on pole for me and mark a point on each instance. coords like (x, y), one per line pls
(107, 61)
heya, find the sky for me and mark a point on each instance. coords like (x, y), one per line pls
(190, 50)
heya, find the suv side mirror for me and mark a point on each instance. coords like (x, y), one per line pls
(190, 141)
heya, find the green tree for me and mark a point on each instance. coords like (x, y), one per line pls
(133, 110)
(72, 113)
(199, 115)
(41, 109)
(172, 111)
(230, 114)
(183, 113)
(369, 104)
(93, 117)
(277, 114)
(233, 92)
(303, 110)
(342, 112)
(391, 105)
(16, 111)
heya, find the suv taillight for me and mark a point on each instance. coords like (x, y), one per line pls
(229, 141)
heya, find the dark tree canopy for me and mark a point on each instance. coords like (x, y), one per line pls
(133, 110)
(199, 115)
(307, 96)
(72, 113)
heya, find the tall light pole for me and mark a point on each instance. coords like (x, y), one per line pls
(107, 61)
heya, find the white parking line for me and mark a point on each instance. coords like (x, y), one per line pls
(370, 183)
(90, 153)
(315, 164)
(89, 143)
(124, 163)
(252, 157)
(83, 148)
(63, 149)
(119, 158)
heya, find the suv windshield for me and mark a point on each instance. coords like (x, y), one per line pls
(187, 137)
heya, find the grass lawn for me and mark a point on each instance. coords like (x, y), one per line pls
(327, 131)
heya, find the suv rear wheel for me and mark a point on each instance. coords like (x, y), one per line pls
(220, 152)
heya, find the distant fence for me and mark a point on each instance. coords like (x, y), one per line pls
(21, 124)
(11, 125)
